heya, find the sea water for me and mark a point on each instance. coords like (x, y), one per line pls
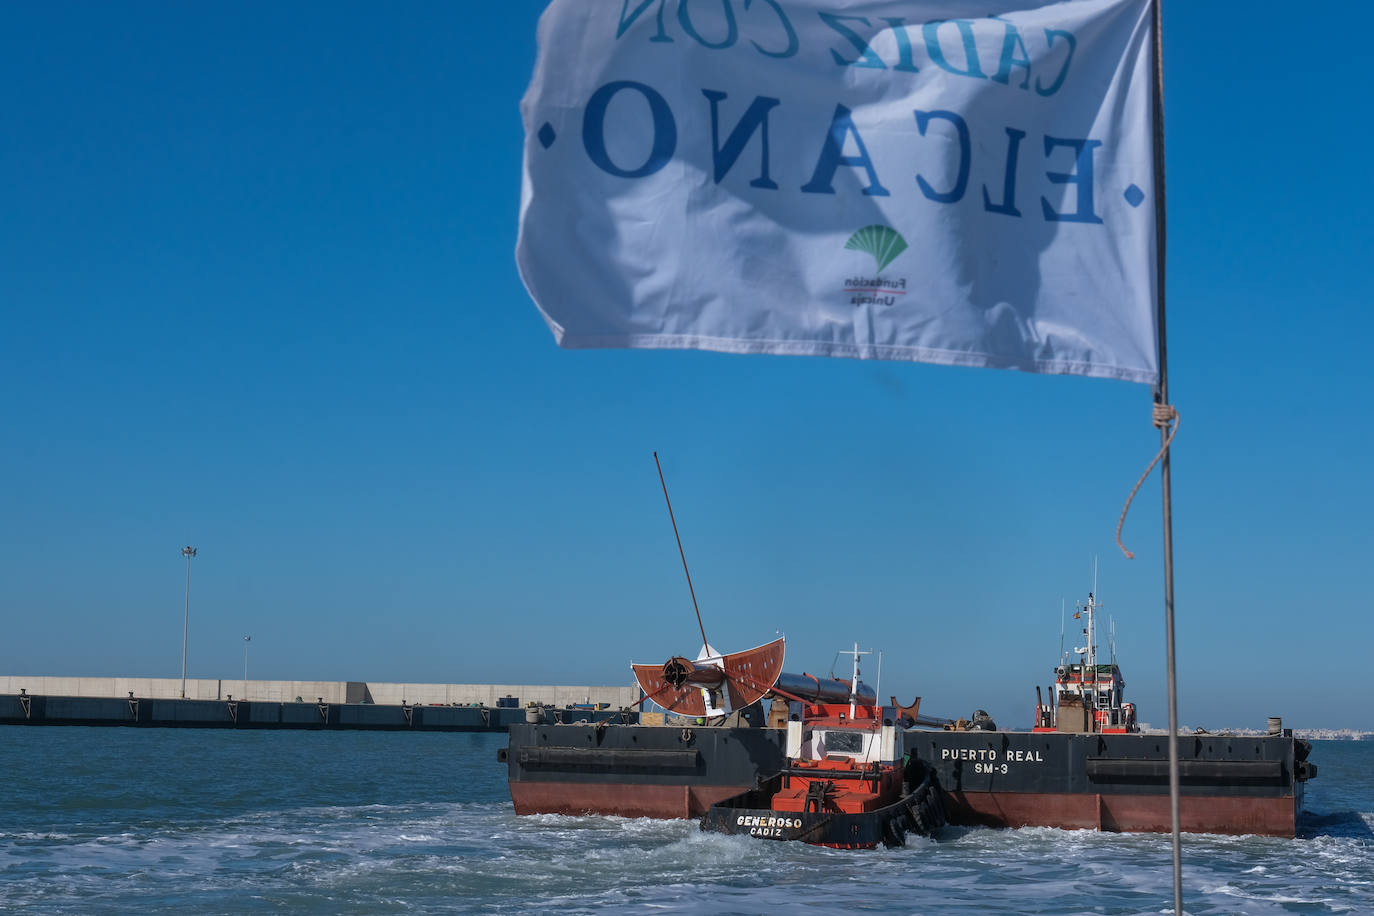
(186, 821)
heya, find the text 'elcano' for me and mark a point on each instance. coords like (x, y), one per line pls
(840, 143)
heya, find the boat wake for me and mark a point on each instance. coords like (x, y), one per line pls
(1353, 824)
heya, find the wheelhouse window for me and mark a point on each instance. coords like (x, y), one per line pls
(843, 742)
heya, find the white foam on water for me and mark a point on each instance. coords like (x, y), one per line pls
(455, 845)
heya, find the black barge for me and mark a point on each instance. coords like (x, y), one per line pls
(1231, 785)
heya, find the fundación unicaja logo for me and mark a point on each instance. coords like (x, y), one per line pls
(884, 243)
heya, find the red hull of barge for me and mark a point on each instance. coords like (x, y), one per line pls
(1126, 813)
(619, 799)
(1111, 813)
(1231, 784)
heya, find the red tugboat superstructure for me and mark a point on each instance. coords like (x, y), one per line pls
(845, 784)
(1086, 697)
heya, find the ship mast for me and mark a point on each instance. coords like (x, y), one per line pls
(1063, 656)
(854, 680)
(1092, 647)
(1092, 638)
(1087, 654)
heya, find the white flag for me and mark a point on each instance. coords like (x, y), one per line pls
(966, 182)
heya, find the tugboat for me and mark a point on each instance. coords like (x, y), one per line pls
(1086, 697)
(846, 783)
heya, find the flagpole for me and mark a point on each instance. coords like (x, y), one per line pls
(1166, 489)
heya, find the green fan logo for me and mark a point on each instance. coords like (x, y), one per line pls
(883, 242)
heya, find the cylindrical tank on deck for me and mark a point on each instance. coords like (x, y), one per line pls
(825, 689)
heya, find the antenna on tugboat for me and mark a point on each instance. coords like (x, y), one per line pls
(878, 684)
(854, 679)
(1062, 657)
(705, 644)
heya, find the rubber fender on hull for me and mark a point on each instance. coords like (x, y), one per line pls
(925, 814)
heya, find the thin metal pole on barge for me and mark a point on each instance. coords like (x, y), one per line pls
(705, 646)
(1163, 414)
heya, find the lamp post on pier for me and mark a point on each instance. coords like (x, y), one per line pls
(187, 552)
(246, 641)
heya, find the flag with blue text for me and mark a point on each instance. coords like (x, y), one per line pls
(957, 182)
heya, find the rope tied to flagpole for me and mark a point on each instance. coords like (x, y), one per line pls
(1164, 415)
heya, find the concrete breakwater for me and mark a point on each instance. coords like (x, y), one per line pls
(157, 702)
(24, 709)
(332, 692)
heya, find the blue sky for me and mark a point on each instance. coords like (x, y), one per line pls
(257, 294)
